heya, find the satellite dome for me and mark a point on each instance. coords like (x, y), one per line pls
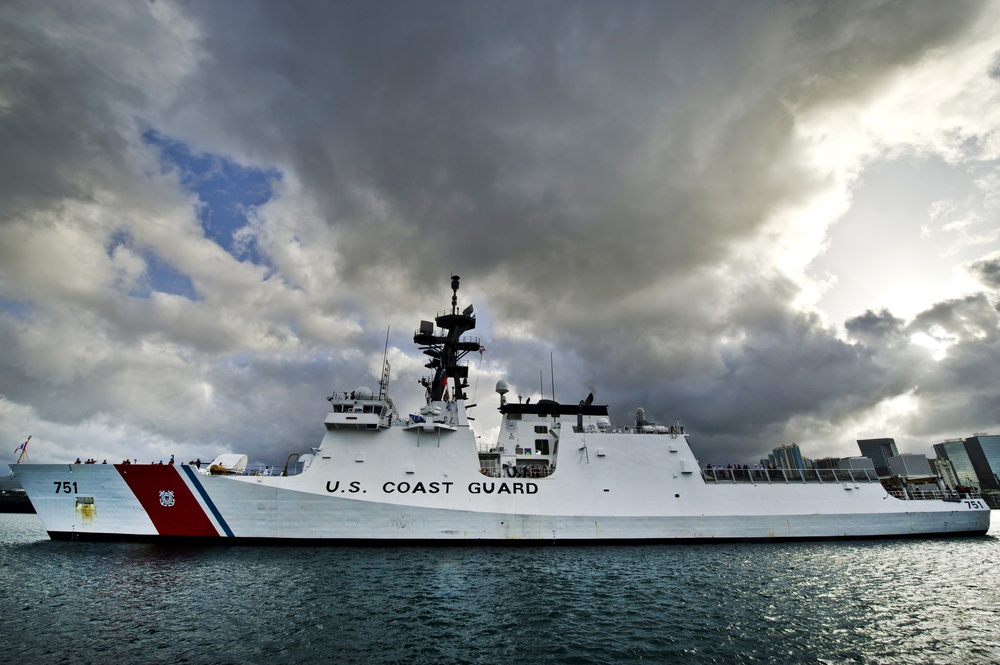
(363, 393)
(502, 387)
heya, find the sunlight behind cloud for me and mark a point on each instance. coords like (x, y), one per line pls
(937, 344)
(899, 117)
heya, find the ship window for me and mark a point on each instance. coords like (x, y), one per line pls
(541, 429)
(513, 416)
(542, 446)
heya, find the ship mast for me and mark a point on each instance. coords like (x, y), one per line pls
(383, 385)
(446, 348)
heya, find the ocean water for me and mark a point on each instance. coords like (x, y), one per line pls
(913, 601)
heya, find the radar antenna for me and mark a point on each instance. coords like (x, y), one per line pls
(446, 347)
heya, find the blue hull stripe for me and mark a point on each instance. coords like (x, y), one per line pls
(208, 502)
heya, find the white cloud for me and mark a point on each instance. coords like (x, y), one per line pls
(645, 202)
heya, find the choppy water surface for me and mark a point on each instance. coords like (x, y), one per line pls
(926, 601)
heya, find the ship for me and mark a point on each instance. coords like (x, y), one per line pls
(15, 501)
(557, 473)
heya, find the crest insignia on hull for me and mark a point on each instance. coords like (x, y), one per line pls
(167, 498)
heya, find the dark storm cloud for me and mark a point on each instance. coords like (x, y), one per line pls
(987, 270)
(960, 389)
(971, 318)
(875, 326)
(62, 128)
(491, 132)
(604, 176)
(572, 151)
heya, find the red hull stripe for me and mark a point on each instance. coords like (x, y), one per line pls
(167, 500)
(193, 477)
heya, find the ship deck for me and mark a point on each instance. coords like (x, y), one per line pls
(736, 475)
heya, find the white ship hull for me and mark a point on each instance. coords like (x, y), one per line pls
(605, 498)
(558, 473)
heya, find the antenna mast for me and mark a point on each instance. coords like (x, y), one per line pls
(446, 348)
(383, 385)
(552, 373)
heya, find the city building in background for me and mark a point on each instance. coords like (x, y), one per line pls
(879, 451)
(961, 465)
(786, 457)
(954, 451)
(826, 463)
(984, 453)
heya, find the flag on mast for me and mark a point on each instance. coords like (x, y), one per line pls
(23, 448)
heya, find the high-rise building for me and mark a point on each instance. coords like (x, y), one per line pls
(787, 457)
(826, 463)
(879, 451)
(984, 453)
(954, 451)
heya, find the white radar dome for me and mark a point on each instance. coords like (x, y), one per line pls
(502, 387)
(363, 393)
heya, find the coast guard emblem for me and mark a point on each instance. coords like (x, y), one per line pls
(166, 498)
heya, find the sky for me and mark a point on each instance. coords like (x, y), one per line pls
(772, 222)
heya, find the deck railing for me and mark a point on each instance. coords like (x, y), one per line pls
(740, 475)
(774, 476)
(943, 495)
